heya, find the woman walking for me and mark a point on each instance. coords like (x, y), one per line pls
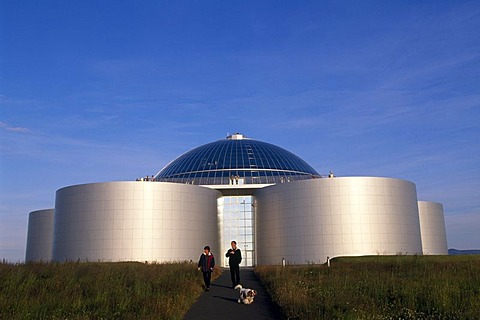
(206, 265)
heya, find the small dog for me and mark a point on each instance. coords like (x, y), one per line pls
(246, 295)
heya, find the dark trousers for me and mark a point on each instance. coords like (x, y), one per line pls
(235, 274)
(207, 276)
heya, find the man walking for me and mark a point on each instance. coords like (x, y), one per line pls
(234, 256)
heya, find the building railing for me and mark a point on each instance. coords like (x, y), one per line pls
(238, 180)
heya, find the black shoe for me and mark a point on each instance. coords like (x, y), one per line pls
(207, 289)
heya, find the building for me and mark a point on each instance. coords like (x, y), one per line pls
(275, 205)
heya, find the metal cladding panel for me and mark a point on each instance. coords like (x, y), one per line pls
(308, 221)
(432, 226)
(40, 235)
(134, 221)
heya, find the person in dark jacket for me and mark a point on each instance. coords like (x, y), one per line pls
(234, 256)
(206, 263)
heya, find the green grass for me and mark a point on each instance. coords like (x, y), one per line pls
(379, 287)
(86, 290)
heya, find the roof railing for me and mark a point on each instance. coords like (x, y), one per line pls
(239, 180)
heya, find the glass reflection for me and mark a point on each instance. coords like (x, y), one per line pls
(238, 224)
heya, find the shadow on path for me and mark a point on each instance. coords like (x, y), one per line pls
(221, 301)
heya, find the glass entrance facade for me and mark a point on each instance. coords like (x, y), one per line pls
(237, 222)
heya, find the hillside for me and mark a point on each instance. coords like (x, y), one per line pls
(458, 252)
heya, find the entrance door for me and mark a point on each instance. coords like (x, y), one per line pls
(237, 223)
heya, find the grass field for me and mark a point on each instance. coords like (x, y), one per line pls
(379, 287)
(86, 290)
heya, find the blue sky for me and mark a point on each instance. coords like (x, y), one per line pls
(94, 91)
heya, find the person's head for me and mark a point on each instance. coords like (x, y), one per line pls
(206, 249)
(234, 244)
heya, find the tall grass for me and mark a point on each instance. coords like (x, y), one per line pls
(86, 290)
(400, 287)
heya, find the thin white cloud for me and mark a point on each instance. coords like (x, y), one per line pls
(7, 127)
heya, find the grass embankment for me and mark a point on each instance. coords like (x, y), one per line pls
(401, 287)
(85, 290)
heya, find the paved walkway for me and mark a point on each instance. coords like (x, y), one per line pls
(221, 301)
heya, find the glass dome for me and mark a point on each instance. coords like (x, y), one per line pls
(236, 160)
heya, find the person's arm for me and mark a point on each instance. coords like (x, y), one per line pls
(200, 262)
(228, 253)
(239, 256)
(212, 263)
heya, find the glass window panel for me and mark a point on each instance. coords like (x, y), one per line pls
(238, 225)
(224, 155)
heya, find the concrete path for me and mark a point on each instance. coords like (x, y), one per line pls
(221, 301)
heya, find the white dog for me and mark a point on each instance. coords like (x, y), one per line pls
(246, 295)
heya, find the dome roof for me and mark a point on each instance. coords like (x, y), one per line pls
(236, 160)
